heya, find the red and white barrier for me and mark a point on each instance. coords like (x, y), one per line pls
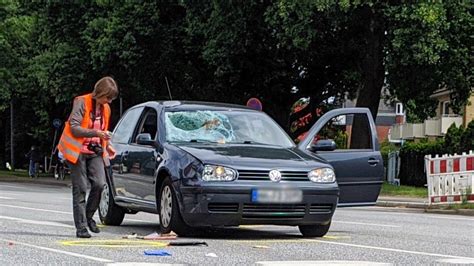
(450, 178)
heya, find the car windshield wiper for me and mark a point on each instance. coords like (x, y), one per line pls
(202, 141)
(249, 142)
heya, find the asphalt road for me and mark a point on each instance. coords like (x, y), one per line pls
(36, 227)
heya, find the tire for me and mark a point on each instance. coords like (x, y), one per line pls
(62, 173)
(316, 230)
(168, 209)
(109, 212)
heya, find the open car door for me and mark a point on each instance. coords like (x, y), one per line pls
(347, 139)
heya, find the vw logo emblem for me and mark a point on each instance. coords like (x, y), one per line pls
(275, 175)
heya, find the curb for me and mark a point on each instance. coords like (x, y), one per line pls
(425, 207)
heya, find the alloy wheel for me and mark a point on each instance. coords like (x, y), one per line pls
(104, 201)
(166, 206)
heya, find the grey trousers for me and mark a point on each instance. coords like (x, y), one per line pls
(87, 169)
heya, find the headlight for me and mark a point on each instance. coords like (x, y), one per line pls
(218, 173)
(322, 175)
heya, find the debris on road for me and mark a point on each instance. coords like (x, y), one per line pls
(213, 255)
(153, 236)
(156, 236)
(158, 252)
(187, 243)
(261, 246)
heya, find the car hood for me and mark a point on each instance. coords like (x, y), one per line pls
(253, 156)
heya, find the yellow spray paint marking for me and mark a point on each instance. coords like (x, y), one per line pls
(114, 243)
(290, 240)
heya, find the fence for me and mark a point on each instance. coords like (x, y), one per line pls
(393, 168)
(450, 178)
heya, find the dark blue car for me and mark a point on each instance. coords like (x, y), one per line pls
(199, 164)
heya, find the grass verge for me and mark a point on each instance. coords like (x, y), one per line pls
(405, 191)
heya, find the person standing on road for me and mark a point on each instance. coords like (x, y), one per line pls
(84, 143)
(35, 158)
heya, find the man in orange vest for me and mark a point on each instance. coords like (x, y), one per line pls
(85, 145)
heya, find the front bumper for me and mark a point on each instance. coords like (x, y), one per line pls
(231, 205)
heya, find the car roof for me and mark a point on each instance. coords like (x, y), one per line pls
(196, 105)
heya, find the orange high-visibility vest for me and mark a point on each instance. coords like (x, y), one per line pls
(69, 145)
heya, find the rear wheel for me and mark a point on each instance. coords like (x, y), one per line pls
(316, 230)
(109, 212)
(168, 208)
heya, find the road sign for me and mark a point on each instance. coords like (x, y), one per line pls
(57, 123)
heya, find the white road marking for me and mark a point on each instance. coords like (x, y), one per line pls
(33, 209)
(390, 249)
(58, 251)
(321, 262)
(6, 197)
(408, 211)
(457, 261)
(383, 225)
(139, 264)
(26, 221)
(61, 212)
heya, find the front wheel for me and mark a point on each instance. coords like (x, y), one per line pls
(170, 217)
(316, 230)
(109, 212)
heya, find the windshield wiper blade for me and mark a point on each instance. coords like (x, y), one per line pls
(202, 141)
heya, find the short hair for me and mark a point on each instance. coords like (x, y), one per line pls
(106, 86)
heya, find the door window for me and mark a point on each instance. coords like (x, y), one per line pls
(124, 130)
(348, 131)
(148, 124)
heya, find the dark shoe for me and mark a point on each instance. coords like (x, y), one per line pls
(93, 226)
(83, 233)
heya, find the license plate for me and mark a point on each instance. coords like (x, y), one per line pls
(277, 195)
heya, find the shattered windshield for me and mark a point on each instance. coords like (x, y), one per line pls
(224, 127)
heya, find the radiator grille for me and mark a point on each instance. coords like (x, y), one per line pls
(273, 211)
(223, 207)
(320, 208)
(262, 175)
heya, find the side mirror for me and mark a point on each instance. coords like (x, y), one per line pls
(323, 145)
(145, 139)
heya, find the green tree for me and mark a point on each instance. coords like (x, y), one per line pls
(15, 41)
(452, 139)
(467, 139)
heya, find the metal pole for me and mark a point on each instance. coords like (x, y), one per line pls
(12, 144)
(121, 106)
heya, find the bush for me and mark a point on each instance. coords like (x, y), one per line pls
(385, 148)
(467, 138)
(412, 157)
(452, 139)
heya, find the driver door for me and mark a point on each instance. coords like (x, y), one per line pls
(356, 158)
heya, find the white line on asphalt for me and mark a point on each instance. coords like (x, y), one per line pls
(421, 213)
(6, 198)
(390, 249)
(33, 209)
(35, 222)
(58, 251)
(383, 225)
(61, 212)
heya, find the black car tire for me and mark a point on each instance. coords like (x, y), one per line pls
(109, 212)
(316, 230)
(174, 221)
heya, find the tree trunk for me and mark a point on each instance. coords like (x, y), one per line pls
(373, 73)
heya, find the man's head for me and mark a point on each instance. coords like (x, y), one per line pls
(105, 90)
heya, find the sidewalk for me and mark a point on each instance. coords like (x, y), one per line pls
(382, 201)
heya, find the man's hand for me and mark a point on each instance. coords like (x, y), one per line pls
(105, 135)
(111, 151)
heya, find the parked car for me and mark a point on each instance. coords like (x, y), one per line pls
(199, 164)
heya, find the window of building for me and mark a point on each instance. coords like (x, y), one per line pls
(445, 108)
(399, 109)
